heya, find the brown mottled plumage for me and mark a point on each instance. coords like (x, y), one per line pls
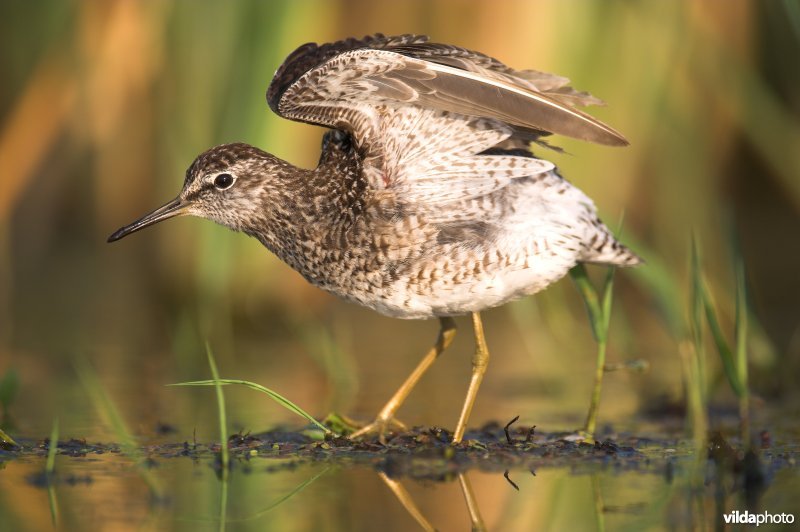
(426, 201)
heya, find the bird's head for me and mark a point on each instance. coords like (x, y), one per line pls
(227, 184)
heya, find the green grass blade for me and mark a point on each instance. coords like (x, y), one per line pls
(275, 396)
(5, 439)
(608, 297)
(741, 324)
(223, 420)
(108, 411)
(723, 348)
(696, 309)
(599, 311)
(741, 350)
(693, 360)
(696, 405)
(106, 407)
(696, 317)
(49, 470)
(52, 450)
(590, 299)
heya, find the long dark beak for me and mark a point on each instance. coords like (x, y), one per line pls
(176, 207)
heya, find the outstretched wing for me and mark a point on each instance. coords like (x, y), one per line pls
(336, 84)
(422, 114)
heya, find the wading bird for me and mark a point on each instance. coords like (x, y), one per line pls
(427, 201)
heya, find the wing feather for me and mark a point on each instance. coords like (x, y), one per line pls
(422, 114)
(370, 77)
(554, 89)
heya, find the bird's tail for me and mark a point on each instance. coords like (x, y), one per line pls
(604, 248)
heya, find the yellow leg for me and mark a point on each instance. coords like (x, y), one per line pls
(385, 417)
(479, 362)
(472, 505)
(407, 502)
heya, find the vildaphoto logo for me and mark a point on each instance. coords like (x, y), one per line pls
(763, 518)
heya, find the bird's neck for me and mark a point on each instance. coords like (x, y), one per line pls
(311, 210)
(279, 214)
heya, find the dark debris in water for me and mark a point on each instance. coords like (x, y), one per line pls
(426, 452)
(76, 447)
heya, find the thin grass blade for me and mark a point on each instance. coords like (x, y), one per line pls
(590, 299)
(599, 311)
(723, 348)
(741, 324)
(275, 396)
(223, 420)
(52, 450)
(49, 470)
(693, 361)
(608, 298)
(108, 411)
(696, 316)
(741, 350)
(5, 439)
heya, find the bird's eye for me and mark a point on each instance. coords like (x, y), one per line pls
(223, 181)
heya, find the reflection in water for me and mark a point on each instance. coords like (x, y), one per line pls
(223, 499)
(660, 488)
(413, 510)
(265, 510)
(53, 501)
(406, 500)
(472, 505)
(598, 503)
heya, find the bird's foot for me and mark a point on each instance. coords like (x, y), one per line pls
(381, 427)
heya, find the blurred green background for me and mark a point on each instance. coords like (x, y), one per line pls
(104, 104)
